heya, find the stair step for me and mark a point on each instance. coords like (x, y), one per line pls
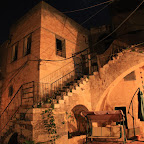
(56, 105)
(63, 93)
(77, 87)
(75, 84)
(55, 101)
(58, 97)
(47, 105)
(85, 76)
(71, 87)
(65, 90)
(66, 98)
(82, 79)
(69, 94)
(95, 73)
(66, 87)
(61, 101)
(78, 81)
(74, 91)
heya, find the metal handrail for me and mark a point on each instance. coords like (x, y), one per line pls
(63, 76)
(11, 103)
(132, 115)
(77, 66)
(133, 98)
(54, 73)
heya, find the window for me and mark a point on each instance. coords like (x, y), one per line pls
(10, 91)
(14, 52)
(60, 47)
(27, 45)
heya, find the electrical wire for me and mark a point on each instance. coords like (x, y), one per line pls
(101, 39)
(136, 45)
(54, 33)
(120, 23)
(61, 34)
(108, 34)
(14, 75)
(87, 7)
(96, 13)
(72, 33)
(94, 44)
(54, 43)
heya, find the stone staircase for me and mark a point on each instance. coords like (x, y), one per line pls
(28, 118)
(75, 85)
(66, 92)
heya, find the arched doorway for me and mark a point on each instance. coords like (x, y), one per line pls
(79, 121)
(13, 139)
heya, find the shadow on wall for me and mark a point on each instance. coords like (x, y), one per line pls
(77, 126)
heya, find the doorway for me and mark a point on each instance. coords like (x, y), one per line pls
(13, 139)
(125, 116)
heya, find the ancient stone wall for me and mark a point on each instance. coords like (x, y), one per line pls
(54, 25)
(23, 69)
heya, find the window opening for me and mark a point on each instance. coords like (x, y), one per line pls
(60, 47)
(27, 45)
(14, 52)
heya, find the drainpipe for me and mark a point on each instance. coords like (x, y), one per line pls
(39, 64)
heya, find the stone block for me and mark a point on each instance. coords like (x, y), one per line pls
(56, 105)
(61, 101)
(69, 94)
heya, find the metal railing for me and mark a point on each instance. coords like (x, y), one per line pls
(98, 61)
(57, 74)
(35, 92)
(58, 85)
(11, 109)
(15, 103)
(131, 105)
(108, 55)
(41, 92)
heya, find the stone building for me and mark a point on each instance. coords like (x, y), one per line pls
(47, 68)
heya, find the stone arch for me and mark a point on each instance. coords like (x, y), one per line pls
(12, 138)
(110, 74)
(78, 126)
(110, 88)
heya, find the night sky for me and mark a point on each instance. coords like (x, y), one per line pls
(12, 10)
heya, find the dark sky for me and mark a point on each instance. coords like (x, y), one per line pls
(12, 10)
